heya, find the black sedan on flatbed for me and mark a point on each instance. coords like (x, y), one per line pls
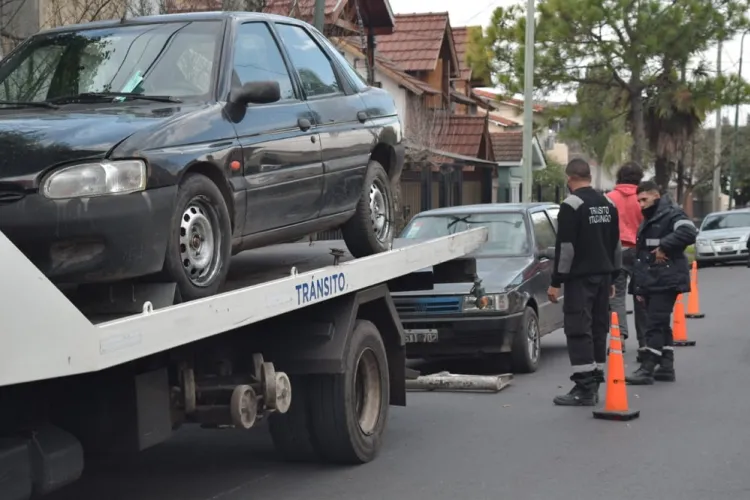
(156, 147)
(515, 269)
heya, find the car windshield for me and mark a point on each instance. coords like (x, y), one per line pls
(507, 234)
(168, 59)
(726, 221)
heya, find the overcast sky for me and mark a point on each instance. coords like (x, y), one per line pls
(473, 12)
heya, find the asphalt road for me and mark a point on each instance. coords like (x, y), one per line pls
(690, 443)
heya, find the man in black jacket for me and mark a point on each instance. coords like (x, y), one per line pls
(661, 272)
(587, 260)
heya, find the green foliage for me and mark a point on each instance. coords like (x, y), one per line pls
(622, 52)
(479, 56)
(550, 178)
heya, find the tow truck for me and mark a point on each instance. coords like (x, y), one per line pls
(118, 368)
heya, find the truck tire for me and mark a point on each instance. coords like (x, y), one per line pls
(199, 246)
(371, 229)
(526, 348)
(290, 431)
(349, 410)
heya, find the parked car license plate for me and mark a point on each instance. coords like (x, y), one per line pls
(728, 248)
(422, 335)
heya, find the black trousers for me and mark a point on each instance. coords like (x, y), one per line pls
(659, 307)
(586, 310)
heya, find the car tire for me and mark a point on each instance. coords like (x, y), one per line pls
(526, 347)
(199, 246)
(371, 230)
(290, 431)
(349, 411)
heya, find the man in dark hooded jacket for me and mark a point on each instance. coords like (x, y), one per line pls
(660, 273)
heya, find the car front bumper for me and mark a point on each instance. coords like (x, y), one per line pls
(101, 239)
(436, 336)
(721, 252)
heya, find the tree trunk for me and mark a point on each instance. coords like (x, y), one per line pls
(661, 173)
(638, 128)
(680, 179)
(687, 204)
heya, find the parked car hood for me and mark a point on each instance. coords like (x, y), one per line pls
(31, 141)
(735, 232)
(496, 272)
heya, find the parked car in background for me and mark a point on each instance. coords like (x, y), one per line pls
(162, 145)
(515, 266)
(723, 238)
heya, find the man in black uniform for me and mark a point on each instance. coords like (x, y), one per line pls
(587, 259)
(660, 273)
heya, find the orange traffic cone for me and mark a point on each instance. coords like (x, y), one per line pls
(693, 308)
(616, 398)
(679, 325)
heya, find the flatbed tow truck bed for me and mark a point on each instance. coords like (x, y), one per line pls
(117, 368)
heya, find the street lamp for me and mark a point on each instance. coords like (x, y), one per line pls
(732, 158)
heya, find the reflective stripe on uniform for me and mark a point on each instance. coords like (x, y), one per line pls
(584, 368)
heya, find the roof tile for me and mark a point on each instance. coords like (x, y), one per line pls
(461, 40)
(508, 146)
(505, 122)
(416, 40)
(460, 134)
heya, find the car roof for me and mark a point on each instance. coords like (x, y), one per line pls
(168, 18)
(725, 212)
(488, 208)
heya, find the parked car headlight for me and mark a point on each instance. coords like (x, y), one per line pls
(494, 302)
(96, 179)
(744, 238)
(701, 242)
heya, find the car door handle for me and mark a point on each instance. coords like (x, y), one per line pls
(361, 116)
(304, 124)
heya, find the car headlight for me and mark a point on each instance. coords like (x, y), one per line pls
(96, 179)
(701, 242)
(744, 238)
(494, 302)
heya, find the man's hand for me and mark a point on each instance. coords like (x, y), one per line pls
(553, 294)
(660, 256)
(612, 292)
(639, 298)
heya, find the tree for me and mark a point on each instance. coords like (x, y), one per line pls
(479, 55)
(598, 122)
(622, 45)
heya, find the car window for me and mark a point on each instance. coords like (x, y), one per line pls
(355, 78)
(726, 221)
(175, 59)
(552, 213)
(257, 58)
(506, 232)
(544, 234)
(312, 64)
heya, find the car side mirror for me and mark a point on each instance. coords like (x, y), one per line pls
(547, 253)
(265, 92)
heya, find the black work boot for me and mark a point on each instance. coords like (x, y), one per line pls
(644, 375)
(639, 356)
(599, 380)
(583, 393)
(665, 372)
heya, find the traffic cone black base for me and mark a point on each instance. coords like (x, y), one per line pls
(695, 316)
(620, 416)
(683, 343)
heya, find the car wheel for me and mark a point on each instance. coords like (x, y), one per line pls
(199, 246)
(526, 347)
(370, 230)
(349, 411)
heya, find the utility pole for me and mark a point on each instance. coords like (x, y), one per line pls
(716, 205)
(319, 14)
(528, 103)
(732, 159)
